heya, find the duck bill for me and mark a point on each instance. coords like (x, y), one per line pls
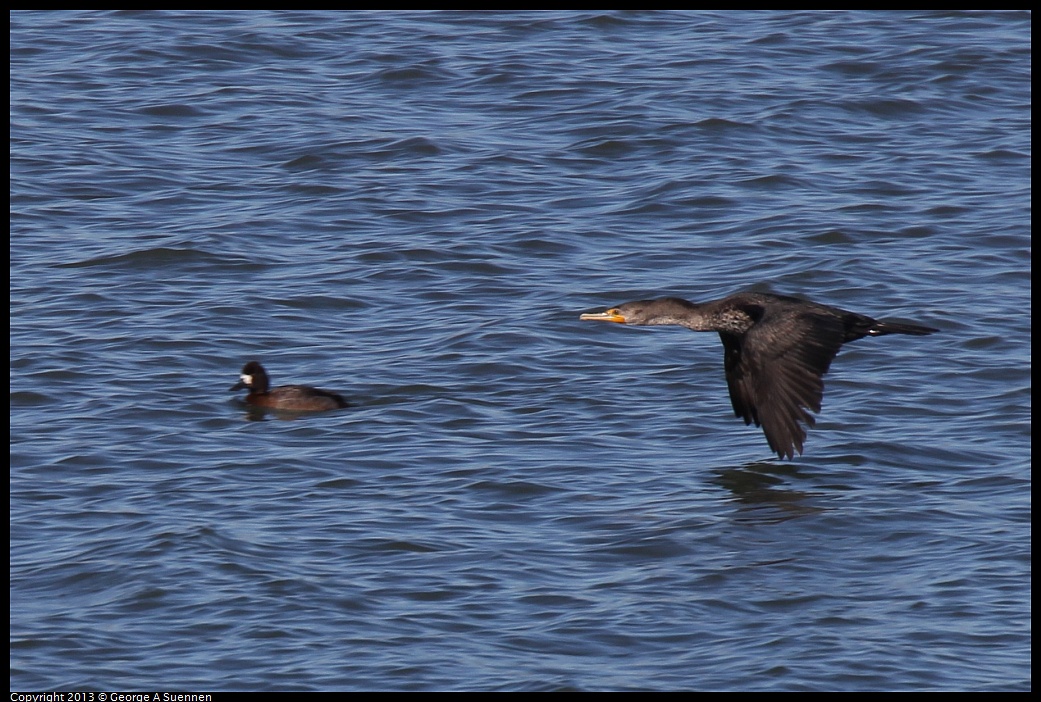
(608, 316)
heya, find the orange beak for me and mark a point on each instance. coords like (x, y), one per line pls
(611, 315)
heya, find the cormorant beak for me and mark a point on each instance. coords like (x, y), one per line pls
(611, 315)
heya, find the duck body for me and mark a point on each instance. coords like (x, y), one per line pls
(291, 398)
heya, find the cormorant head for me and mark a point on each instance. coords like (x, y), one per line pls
(665, 310)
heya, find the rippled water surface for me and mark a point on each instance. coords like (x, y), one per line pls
(413, 209)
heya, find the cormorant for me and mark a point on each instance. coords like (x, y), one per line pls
(775, 351)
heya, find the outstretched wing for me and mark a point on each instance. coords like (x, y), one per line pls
(774, 373)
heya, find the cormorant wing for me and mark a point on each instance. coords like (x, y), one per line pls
(774, 371)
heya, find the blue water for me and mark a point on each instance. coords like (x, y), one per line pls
(413, 209)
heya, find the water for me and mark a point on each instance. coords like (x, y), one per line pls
(413, 209)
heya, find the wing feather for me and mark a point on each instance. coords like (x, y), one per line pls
(774, 373)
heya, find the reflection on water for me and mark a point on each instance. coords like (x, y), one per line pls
(764, 489)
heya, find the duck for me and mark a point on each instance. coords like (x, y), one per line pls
(292, 398)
